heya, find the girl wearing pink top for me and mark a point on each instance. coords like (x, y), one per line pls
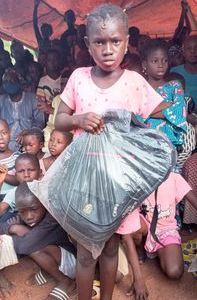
(90, 92)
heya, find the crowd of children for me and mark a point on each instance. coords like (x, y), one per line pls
(44, 104)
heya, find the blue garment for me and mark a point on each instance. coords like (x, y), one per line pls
(20, 115)
(174, 125)
(190, 82)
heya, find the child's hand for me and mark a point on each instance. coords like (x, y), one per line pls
(19, 230)
(139, 289)
(3, 173)
(90, 122)
(45, 107)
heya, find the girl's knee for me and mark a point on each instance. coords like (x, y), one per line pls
(85, 259)
(175, 271)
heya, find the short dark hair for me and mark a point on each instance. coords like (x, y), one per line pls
(27, 156)
(35, 131)
(106, 12)
(153, 45)
(23, 191)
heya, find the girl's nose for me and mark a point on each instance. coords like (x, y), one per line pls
(108, 49)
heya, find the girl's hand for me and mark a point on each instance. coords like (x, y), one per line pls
(139, 289)
(3, 173)
(89, 122)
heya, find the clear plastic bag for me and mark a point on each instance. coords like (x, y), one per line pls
(98, 179)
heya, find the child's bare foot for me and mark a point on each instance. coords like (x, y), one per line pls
(6, 287)
(139, 289)
(63, 291)
(39, 278)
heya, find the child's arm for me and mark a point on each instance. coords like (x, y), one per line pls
(19, 230)
(35, 21)
(66, 121)
(157, 112)
(3, 173)
(139, 286)
(11, 179)
(3, 208)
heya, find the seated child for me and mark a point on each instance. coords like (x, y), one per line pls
(7, 159)
(33, 142)
(37, 234)
(27, 169)
(59, 140)
(167, 243)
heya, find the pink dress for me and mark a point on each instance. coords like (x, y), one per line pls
(130, 92)
(170, 192)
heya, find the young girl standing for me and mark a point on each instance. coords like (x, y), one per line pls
(91, 91)
(172, 119)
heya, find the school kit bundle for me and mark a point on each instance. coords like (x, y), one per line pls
(98, 179)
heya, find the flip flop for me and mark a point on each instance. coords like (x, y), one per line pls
(96, 290)
(38, 279)
(59, 294)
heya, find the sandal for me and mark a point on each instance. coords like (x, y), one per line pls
(59, 294)
(39, 279)
(96, 290)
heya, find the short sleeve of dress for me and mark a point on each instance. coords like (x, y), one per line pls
(182, 187)
(68, 94)
(149, 99)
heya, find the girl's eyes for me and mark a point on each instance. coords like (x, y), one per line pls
(99, 43)
(116, 42)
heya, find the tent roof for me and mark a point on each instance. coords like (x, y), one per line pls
(151, 16)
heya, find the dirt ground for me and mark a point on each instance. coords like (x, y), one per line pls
(160, 288)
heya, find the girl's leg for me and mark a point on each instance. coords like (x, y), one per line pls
(85, 273)
(171, 261)
(108, 262)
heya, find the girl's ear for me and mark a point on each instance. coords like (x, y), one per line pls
(127, 42)
(144, 64)
(86, 40)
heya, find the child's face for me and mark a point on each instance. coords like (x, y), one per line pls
(190, 50)
(30, 210)
(57, 143)
(107, 42)
(4, 136)
(26, 171)
(32, 145)
(156, 64)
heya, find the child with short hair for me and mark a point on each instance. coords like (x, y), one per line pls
(91, 91)
(59, 140)
(27, 169)
(7, 159)
(33, 142)
(32, 230)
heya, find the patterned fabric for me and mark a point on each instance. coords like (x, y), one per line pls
(189, 253)
(174, 125)
(189, 144)
(10, 164)
(190, 174)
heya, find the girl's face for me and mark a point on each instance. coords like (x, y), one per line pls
(107, 42)
(32, 145)
(156, 64)
(4, 137)
(57, 143)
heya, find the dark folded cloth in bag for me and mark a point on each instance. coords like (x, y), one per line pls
(98, 179)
